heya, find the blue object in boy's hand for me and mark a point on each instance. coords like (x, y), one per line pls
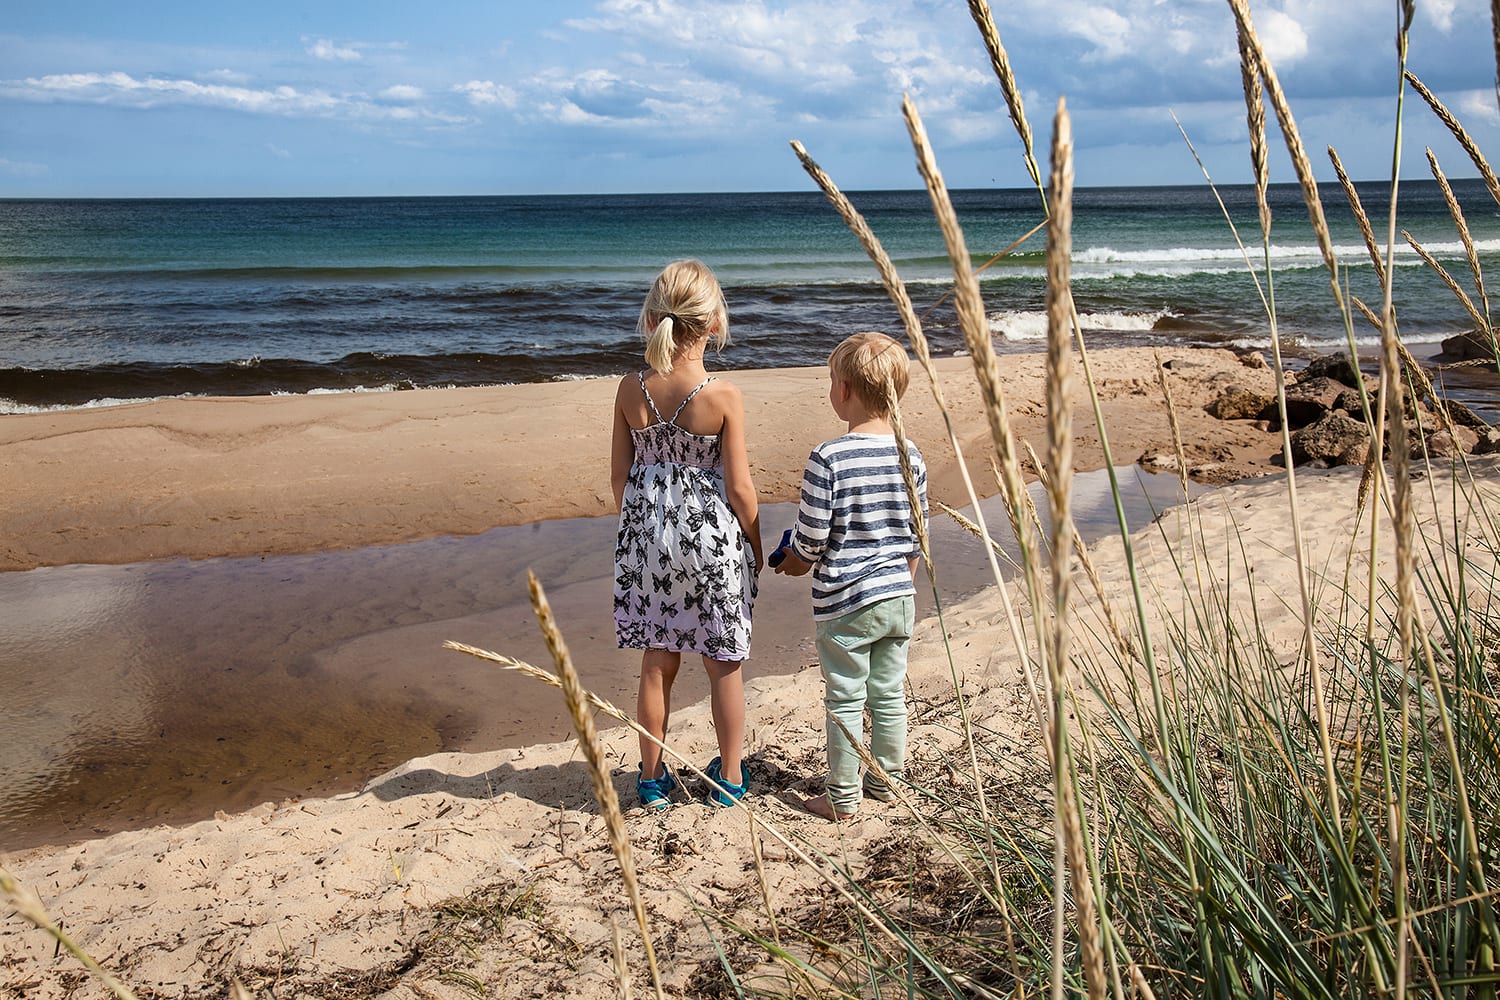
(779, 556)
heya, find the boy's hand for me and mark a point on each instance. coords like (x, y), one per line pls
(793, 564)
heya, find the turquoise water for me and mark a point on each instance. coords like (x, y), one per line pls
(127, 299)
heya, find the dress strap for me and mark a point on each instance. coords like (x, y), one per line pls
(682, 405)
(641, 378)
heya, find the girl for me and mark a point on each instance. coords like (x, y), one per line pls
(688, 550)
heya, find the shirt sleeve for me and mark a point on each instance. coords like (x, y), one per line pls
(815, 512)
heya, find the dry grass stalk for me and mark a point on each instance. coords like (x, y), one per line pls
(970, 308)
(617, 961)
(1059, 494)
(547, 677)
(1460, 133)
(577, 700)
(1000, 60)
(1250, 44)
(896, 289)
(1479, 321)
(978, 532)
(1359, 215)
(1255, 119)
(29, 907)
(1172, 422)
(1254, 55)
(1456, 212)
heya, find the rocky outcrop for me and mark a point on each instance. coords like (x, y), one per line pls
(1470, 346)
(1334, 439)
(1325, 415)
(1236, 402)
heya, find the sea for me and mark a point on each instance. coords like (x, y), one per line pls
(104, 301)
(163, 692)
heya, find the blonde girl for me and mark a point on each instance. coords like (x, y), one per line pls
(688, 550)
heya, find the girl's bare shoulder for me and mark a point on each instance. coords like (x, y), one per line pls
(723, 393)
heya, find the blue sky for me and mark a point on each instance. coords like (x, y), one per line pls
(519, 97)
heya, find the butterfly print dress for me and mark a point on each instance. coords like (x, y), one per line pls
(684, 573)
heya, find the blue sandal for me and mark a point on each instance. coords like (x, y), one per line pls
(721, 792)
(656, 793)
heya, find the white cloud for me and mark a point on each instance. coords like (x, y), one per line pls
(1478, 105)
(1282, 37)
(225, 76)
(21, 168)
(487, 92)
(122, 89)
(323, 48)
(402, 92)
(278, 152)
(1108, 31)
(1440, 11)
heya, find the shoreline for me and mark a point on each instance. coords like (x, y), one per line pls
(276, 475)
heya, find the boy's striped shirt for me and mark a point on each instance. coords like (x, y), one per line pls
(854, 523)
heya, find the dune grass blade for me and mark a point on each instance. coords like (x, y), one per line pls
(970, 308)
(896, 290)
(576, 699)
(1363, 220)
(1071, 846)
(1000, 62)
(1263, 70)
(28, 905)
(1491, 182)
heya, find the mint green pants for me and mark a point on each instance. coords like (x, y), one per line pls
(863, 655)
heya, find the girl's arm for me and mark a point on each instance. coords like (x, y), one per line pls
(738, 485)
(622, 448)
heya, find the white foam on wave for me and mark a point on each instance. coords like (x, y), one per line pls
(1023, 325)
(1099, 263)
(11, 406)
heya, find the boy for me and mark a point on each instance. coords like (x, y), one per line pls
(855, 532)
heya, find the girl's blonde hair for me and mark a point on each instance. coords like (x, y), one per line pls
(875, 366)
(685, 305)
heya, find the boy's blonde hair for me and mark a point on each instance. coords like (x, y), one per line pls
(685, 305)
(872, 364)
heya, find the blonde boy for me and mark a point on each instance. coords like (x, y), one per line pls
(855, 531)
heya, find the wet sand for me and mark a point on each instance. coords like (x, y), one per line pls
(165, 692)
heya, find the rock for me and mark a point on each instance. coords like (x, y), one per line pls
(1348, 401)
(1335, 439)
(1468, 346)
(1487, 441)
(1443, 444)
(1236, 402)
(1159, 461)
(1312, 398)
(1335, 366)
(1254, 359)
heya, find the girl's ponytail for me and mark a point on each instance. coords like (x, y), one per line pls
(661, 346)
(685, 304)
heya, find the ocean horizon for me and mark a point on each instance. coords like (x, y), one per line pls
(115, 300)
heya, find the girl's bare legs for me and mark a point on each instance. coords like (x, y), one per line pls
(726, 688)
(653, 704)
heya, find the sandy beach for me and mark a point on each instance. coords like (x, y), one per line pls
(267, 475)
(349, 889)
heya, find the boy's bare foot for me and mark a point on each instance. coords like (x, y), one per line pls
(821, 805)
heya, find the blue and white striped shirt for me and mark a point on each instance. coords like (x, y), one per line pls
(854, 524)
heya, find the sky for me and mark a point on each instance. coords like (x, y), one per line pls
(338, 97)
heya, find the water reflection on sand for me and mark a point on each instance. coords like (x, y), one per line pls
(162, 692)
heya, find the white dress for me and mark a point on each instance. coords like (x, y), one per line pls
(684, 572)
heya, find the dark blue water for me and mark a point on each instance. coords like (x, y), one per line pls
(105, 300)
